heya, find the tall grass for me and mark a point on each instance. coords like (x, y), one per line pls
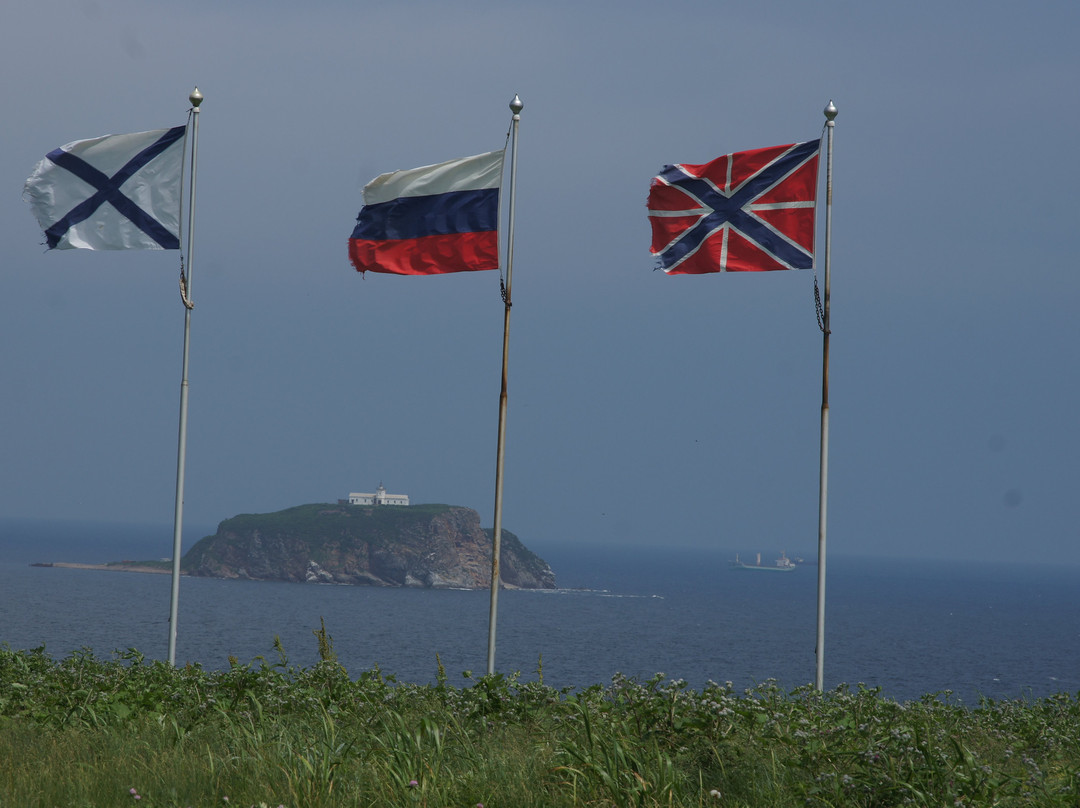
(84, 731)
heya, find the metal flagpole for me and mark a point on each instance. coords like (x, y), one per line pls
(496, 540)
(823, 492)
(178, 519)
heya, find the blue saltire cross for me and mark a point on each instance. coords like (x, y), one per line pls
(732, 210)
(108, 190)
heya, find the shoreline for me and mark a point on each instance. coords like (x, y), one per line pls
(122, 566)
(115, 567)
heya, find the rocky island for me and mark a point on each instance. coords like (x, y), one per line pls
(432, 546)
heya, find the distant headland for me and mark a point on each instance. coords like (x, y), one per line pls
(386, 543)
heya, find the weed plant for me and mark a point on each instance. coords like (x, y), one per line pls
(84, 731)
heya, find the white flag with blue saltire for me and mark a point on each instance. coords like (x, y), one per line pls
(116, 192)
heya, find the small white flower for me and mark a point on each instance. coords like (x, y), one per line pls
(715, 793)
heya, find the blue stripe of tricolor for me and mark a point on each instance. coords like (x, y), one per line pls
(108, 190)
(437, 215)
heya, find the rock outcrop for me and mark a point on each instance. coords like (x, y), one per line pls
(433, 546)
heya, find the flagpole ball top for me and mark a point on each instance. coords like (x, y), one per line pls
(830, 111)
(516, 106)
(195, 98)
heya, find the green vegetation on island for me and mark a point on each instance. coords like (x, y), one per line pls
(434, 546)
(88, 732)
(320, 524)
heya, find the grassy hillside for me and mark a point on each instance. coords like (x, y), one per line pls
(86, 732)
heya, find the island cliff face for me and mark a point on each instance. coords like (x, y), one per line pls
(433, 546)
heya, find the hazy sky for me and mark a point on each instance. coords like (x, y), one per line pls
(643, 408)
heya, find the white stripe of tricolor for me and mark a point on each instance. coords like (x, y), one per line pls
(463, 174)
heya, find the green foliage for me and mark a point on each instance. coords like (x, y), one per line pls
(165, 565)
(326, 643)
(83, 731)
(320, 524)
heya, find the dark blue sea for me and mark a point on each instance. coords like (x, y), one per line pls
(910, 628)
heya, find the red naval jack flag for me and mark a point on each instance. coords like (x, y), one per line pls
(749, 211)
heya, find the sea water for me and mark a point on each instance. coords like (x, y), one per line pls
(907, 627)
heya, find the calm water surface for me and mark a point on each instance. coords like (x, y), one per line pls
(909, 628)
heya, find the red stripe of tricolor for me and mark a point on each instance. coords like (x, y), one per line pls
(428, 255)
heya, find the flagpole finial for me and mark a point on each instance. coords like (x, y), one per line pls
(195, 98)
(516, 106)
(830, 111)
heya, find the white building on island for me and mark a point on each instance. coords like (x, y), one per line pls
(380, 497)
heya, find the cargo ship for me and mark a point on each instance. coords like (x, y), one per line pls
(782, 564)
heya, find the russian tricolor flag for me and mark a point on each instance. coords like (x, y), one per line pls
(431, 220)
